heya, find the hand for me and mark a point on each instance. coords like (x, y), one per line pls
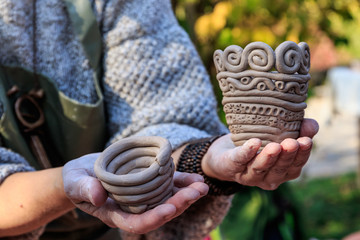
(275, 164)
(86, 192)
(352, 236)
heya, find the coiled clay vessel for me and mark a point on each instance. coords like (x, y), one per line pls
(137, 172)
(264, 91)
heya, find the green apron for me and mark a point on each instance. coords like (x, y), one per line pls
(74, 128)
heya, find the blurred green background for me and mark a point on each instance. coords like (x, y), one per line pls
(328, 26)
(325, 208)
(331, 28)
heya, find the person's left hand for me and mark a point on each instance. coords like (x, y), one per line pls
(86, 192)
(275, 164)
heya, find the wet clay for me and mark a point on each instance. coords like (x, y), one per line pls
(137, 172)
(264, 91)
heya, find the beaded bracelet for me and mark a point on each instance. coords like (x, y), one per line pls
(190, 161)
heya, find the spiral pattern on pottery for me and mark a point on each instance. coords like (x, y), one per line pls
(260, 56)
(305, 63)
(289, 57)
(137, 172)
(258, 84)
(218, 60)
(257, 55)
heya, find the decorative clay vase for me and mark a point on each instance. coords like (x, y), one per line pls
(264, 91)
(137, 172)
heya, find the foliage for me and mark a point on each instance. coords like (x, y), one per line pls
(330, 206)
(331, 28)
(257, 214)
(214, 24)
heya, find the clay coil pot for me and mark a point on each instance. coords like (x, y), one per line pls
(137, 172)
(264, 91)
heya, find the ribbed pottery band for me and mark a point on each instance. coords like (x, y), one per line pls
(137, 172)
(146, 197)
(157, 147)
(141, 188)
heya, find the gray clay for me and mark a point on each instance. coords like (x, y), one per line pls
(137, 172)
(264, 91)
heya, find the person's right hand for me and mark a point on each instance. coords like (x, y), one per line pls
(86, 192)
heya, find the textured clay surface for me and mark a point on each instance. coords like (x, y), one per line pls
(264, 91)
(137, 172)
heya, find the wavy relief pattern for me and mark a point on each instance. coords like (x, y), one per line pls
(262, 84)
(264, 91)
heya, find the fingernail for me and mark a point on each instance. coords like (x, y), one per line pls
(91, 199)
(194, 196)
(204, 189)
(253, 143)
(169, 211)
(306, 145)
(199, 178)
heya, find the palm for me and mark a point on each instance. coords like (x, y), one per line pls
(275, 164)
(87, 193)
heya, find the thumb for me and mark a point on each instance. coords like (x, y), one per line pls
(90, 190)
(309, 128)
(246, 152)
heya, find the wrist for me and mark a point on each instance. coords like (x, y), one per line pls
(206, 164)
(59, 189)
(190, 161)
(211, 164)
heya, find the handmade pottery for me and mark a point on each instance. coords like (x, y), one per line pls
(264, 91)
(137, 172)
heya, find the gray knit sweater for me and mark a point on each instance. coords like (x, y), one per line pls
(154, 82)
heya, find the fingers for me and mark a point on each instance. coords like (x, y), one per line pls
(113, 216)
(260, 165)
(87, 189)
(277, 163)
(79, 183)
(305, 146)
(145, 222)
(241, 156)
(88, 194)
(279, 171)
(187, 196)
(96, 193)
(309, 128)
(154, 218)
(182, 179)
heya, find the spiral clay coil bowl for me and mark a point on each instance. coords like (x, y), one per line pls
(264, 91)
(137, 172)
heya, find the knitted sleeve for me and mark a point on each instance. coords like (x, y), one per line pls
(11, 162)
(156, 84)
